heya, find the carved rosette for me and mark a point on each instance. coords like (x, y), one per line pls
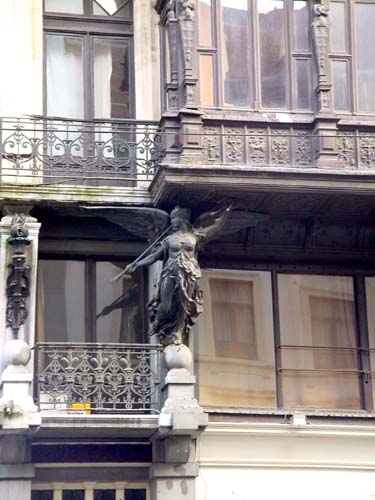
(257, 146)
(234, 145)
(211, 143)
(18, 280)
(280, 147)
(346, 148)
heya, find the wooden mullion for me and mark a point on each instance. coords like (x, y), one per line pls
(363, 343)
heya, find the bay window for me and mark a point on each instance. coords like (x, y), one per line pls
(353, 68)
(255, 54)
(279, 340)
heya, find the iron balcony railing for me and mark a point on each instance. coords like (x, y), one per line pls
(97, 378)
(44, 150)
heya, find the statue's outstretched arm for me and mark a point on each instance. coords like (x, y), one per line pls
(212, 223)
(157, 254)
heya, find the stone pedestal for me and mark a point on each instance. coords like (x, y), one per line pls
(326, 152)
(175, 468)
(20, 419)
(190, 136)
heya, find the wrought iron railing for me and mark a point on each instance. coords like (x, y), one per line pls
(101, 152)
(97, 378)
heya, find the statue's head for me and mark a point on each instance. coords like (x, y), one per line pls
(180, 217)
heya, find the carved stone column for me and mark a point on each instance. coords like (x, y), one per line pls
(175, 466)
(18, 267)
(325, 127)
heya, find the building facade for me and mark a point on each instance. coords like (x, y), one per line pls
(113, 110)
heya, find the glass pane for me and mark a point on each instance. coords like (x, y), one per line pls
(338, 26)
(365, 40)
(61, 301)
(303, 84)
(317, 330)
(340, 85)
(272, 53)
(301, 25)
(118, 305)
(234, 341)
(111, 78)
(135, 494)
(370, 302)
(104, 494)
(206, 79)
(119, 8)
(235, 65)
(73, 495)
(64, 6)
(42, 495)
(205, 26)
(64, 76)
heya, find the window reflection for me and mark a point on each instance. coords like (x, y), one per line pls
(234, 341)
(235, 35)
(318, 338)
(77, 302)
(272, 53)
(118, 305)
(365, 39)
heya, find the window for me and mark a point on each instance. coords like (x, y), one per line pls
(236, 361)
(88, 491)
(78, 303)
(88, 61)
(257, 54)
(269, 339)
(353, 68)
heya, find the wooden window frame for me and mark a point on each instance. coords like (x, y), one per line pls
(292, 55)
(89, 27)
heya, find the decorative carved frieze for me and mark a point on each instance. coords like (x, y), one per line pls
(346, 148)
(211, 143)
(280, 147)
(303, 148)
(18, 281)
(367, 151)
(234, 142)
(257, 146)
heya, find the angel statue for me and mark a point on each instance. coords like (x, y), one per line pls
(178, 301)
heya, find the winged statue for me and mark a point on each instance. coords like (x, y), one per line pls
(178, 300)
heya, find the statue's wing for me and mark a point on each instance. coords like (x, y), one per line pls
(216, 223)
(144, 222)
(239, 219)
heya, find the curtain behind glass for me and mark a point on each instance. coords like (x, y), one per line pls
(64, 76)
(317, 329)
(234, 341)
(111, 78)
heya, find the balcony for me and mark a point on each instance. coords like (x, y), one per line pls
(52, 151)
(97, 378)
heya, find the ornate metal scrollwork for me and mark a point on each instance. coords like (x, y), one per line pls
(98, 377)
(18, 281)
